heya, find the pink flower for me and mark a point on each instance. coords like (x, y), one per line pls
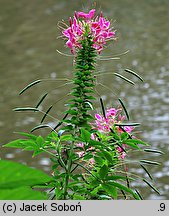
(113, 116)
(85, 15)
(92, 161)
(121, 151)
(91, 148)
(98, 117)
(93, 137)
(128, 129)
(106, 124)
(81, 154)
(80, 145)
(84, 25)
(122, 155)
(111, 112)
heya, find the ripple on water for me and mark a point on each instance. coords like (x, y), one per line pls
(44, 161)
(9, 156)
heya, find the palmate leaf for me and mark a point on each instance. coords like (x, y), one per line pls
(15, 175)
(29, 145)
(21, 143)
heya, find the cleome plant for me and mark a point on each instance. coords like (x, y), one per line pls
(88, 153)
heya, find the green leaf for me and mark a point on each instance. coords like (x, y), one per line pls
(20, 143)
(131, 144)
(85, 135)
(40, 141)
(67, 137)
(117, 177)
(22, 193)
(28, 86)
(103, 171)
(95, 143)
(122, 187)
(27, 135)
(124, 136)
(29, 145)
(78, 197)
(99, 160)
(107, 155)
(15, 175)
(53, 136)
(72, 112)
(36, 151)
(124, 78)
(111, 190)
(137, 141)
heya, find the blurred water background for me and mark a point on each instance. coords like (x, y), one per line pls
(28, 43)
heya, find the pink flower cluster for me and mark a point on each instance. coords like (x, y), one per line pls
(85, 24)
(105, 124)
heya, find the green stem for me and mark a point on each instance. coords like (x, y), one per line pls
(82, 96)
(84, 84)
(68, 170)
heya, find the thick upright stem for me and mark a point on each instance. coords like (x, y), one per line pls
(82, 97)
(84, 83)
